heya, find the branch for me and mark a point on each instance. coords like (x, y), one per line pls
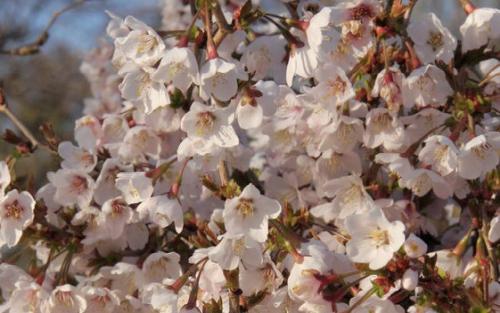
(34, 47)
(26, 132)
(223, 28)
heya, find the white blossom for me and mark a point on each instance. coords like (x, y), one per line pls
(480, 27)
(16, 213)
(248, 214)
(479, 156)
(178, 66)
(432, 41)
(373, 238)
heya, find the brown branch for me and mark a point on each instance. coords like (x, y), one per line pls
(34, 47)
(223, 28)
(26, 132)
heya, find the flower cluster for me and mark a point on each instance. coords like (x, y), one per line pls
(310, 158)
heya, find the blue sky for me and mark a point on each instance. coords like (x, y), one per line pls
(81, 27)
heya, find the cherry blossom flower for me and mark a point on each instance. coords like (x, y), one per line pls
(88, 132)
(333, 88)
(248, 214)
(135, 186)
(179, 66)
(480, 27)
(105, 188)
(426, 86)
(255, 104)
(76, 158)
(72, 187)
(218, 78)
(389, 86)
(100, 299)
(374, 238)
(138, 85)
(414, 246)
(349, 196)
(65, 298)
(162, 211)
(478, 156)
(139, 143)
(141, 44)
(343, 134)
(432, 41)
(27, 297)
(383, 129)
(231, 252)
(421, 181)
(16, 214)
(441, 153)
(263, 58)
(209, 125)
(302, 283)
(161, 265)
(116, 214)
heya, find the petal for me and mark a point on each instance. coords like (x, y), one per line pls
(249, 116)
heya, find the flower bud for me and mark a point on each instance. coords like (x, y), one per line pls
(410, 279)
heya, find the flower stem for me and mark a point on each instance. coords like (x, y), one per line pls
(211, 48)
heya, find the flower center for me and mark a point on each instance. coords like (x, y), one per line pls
(79, 184)
(424, 82)
(176, 68)
(117, 207)
(481, 150)
(345, 132)
(245, 207)
(421, 184)
(146, 43)
(13, 210)
(435, 40)
(65, 298)
(101, 300)
(206, 121)
(334, 162)
(239, 247)
(353, 194)
(353, 29)
(337, 86)
(87, 158)
(440, 154)
(159, 265)
(361, 12)
(217, 79)
(382, 122)
(380, 237)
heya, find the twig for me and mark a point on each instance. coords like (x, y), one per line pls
(34, 47)
(211, 47)
(223, 27)
(26, 132)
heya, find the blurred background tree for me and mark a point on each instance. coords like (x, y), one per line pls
(48, 86)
